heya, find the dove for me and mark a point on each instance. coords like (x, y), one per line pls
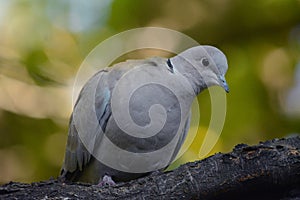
(131, 119)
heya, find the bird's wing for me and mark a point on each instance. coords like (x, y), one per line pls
(77, 155)
(99, 87)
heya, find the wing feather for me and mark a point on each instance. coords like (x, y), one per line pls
(77, 156)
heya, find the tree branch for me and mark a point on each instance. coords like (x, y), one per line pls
(264, 171)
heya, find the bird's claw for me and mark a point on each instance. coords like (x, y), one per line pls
(106, 181)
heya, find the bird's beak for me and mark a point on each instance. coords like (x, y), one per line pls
(223, 83)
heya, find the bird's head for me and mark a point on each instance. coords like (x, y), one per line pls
(210, 62)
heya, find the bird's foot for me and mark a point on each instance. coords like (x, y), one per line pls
(106, 180)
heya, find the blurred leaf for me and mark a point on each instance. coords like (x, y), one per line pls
(35, 61)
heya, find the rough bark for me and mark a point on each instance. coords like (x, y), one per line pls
(269, 170)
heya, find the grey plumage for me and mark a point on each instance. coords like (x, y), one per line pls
(183, 77)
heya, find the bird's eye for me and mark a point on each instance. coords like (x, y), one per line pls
(205, 62)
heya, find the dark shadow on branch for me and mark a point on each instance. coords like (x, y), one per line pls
(269, 170)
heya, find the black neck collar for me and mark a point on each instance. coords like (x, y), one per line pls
(170, 65)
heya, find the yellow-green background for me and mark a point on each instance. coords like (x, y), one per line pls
(42, 44)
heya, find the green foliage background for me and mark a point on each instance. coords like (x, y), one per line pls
(42, 44)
